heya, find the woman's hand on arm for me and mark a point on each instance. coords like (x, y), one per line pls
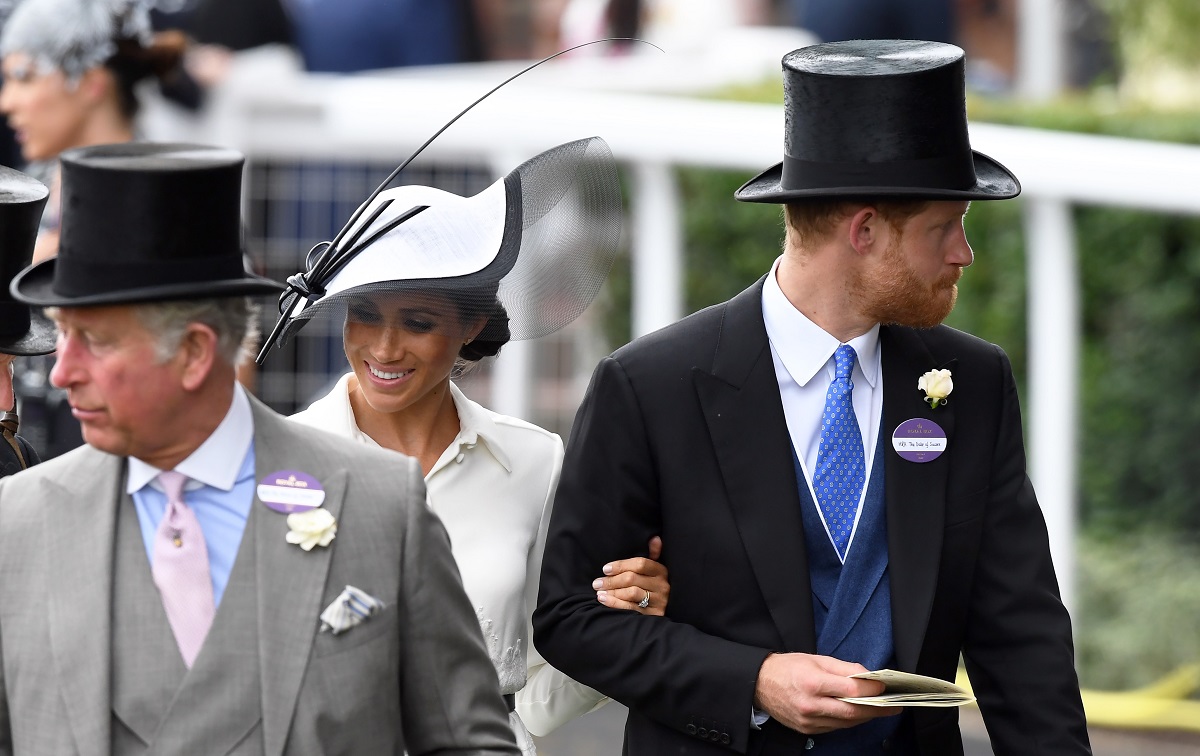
(639, 584)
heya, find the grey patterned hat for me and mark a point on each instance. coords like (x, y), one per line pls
(72, 36)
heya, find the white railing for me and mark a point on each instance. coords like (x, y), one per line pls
(275, 113)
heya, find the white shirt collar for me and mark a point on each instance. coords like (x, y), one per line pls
(337, 415)
(218, 460)
(475, 422)
(805, 348)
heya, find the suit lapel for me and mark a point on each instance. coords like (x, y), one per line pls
(80, 525)
(291, 581)
(744, 414)
(916, 492)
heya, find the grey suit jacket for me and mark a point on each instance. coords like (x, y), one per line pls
(415, 677)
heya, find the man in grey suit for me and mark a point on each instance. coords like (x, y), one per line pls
(205, 577)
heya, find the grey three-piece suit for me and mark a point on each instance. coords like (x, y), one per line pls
(88, 664)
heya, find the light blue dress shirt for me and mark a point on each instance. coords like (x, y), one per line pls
(220, 490)
(802, 353)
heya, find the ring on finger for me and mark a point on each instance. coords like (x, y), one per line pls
(645, 602)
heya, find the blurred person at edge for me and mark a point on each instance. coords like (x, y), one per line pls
(22, 332)
(840, 20)
(584, 21)
(70, 72)
(678, 26)
(71, 68)
(344, 36)
(431, 298)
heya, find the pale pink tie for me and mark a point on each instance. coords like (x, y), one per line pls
(181, 570)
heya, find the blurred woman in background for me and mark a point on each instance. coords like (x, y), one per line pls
(71, 68)
(71, 72)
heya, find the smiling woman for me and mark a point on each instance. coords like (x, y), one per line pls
(403, 347)
(427, 284)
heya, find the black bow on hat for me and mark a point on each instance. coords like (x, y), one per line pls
(22, 199)
(878, 118)
(145, 222)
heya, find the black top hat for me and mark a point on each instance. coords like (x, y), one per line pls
(22, 199)
(878, 118)
(145, 222)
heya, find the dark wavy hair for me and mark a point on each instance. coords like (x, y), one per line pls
(496, 334)
(161, 59)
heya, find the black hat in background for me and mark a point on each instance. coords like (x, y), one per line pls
(145, 222)
(22, 199)
(878, 118)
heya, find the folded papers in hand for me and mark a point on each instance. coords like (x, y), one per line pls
(907, 689)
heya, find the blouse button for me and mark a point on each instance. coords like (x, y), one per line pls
(459, 458)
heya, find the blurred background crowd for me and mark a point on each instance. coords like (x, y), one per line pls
(327, 96)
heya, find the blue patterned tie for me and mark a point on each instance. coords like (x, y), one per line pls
(841, 470)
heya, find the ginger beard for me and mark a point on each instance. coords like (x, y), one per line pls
(894, 293)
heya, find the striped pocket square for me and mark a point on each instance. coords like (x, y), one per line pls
(351, 608)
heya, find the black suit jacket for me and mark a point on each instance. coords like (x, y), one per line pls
(682, 434)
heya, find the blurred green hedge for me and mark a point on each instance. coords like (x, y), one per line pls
(1139, 607)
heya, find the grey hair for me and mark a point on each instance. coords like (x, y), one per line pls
(73, 35)
(235, 320)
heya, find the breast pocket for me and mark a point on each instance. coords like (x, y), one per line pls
(964, 508)
(354, 677)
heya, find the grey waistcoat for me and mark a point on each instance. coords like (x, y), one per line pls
(159, 706)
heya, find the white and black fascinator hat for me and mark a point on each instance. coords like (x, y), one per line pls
(525, 257)
(519, 260)
(73, 36)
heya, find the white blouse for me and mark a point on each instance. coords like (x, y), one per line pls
(493, 488)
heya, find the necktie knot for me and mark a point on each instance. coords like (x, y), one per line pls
(172, 483)
(843, 361)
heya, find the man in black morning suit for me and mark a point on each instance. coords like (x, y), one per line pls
(772, 441)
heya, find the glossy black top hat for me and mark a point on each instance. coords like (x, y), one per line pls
(22, 199)
(145, 222)
(878, 118)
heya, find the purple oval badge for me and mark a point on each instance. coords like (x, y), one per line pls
(919, 440)
(289, 491)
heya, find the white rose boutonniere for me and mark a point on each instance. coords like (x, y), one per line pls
(937, 385)
(315, 527)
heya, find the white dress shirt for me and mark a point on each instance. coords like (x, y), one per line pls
(805, 368)
(493, 488)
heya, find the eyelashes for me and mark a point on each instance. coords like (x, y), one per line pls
(368, 315)
(419, 326)
(364, 314)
